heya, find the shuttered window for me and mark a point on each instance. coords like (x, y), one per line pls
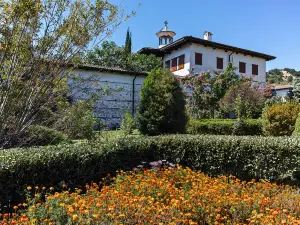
(242, 67)
(181, 62)
(254, 69)
(174, 64)
(168, 64)
(198, 59)
(219, 63)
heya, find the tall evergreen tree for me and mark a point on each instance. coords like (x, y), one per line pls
(128, 42)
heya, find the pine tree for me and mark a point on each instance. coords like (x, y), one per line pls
(128, 42)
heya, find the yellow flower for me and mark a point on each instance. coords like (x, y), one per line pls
(75, 217)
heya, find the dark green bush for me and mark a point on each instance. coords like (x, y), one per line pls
(245, 157)
(162, 106)
(223, 127)
(40, 135)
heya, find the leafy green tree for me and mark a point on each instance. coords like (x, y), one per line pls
(111, 55)
(274, 76)
(162, 107)
(204, 92)
(128, 43)
(222, 81)
(37, 40)
(252, 99)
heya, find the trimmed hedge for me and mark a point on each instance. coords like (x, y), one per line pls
(223, 127)
(276, 159)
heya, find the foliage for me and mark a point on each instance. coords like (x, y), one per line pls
(296, 131)
(293, 72)
(128, 43)
(296, 87)
(40, 135)
(268, 93)
(242, 156)
(222, 81)
(280, 119)
(204, 92)
(162, 106)
(37, 40)
(111, 55)
(200, 100)
(239, 127)
(224, 127)
(78, 120)
(252, 99)
(128, 124)
(167, 196)
(275, 76)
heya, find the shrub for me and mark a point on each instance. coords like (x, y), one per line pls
(296, 131)
(246, 157)
(171, 196)
(78, 120)
(239, 127)
(252, 99)
(128, 124)
(280, 119)
(40, 135)
(162, 106)
(223, 127)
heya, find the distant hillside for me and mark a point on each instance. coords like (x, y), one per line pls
(282, 76)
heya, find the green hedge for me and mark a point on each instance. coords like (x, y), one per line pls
(223, 126)
(245, 157)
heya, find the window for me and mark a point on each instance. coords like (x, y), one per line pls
(181, 62)
(242, 67)
(174, 64)
(167, 64)
(254, 69)
(198, 59)
(219, 63)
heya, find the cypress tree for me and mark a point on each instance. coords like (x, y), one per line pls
(128, 42)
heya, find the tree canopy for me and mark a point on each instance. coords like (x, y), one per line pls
(37, 40)
(109, 54)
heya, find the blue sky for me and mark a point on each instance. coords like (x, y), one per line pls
(267, 26)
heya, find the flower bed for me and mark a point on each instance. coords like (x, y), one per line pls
(171, 196)
(276, 159)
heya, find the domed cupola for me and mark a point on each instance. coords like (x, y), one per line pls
(165, 35)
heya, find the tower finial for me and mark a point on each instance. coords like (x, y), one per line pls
(166, 23)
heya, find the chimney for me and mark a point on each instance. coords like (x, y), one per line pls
(208, 36)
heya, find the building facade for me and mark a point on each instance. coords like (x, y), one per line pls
(202, 54)
(118, 91)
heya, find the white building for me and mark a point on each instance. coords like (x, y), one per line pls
(180, 56)
(123, 89)
(201, 55)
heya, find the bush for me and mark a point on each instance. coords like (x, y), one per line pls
(78, 120)
(239, 127)
(276, 159)
(128, 124)
(162, 106)
(171, 196)
(296, 131)
(280, 119)
(40, 135)
(223, 127)
(252, 99)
